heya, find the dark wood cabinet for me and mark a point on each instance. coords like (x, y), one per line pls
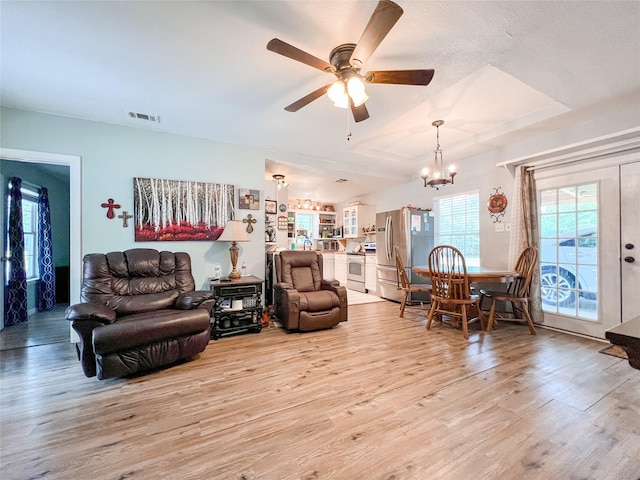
(238, 306)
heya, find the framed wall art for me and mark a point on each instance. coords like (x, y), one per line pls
(249, 199)
(176, 210)
(270, 206)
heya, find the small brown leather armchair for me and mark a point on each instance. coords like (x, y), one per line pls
(305, 301)
(140, 311)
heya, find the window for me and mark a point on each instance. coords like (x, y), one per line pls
(569, 250)
(304, 227)
(30, 227)
(458, 224)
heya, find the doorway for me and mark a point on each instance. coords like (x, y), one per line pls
(587, 215)
(73, 165)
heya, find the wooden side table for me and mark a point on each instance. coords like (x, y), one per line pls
(627, 336)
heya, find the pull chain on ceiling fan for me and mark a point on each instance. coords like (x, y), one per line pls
(346, 61)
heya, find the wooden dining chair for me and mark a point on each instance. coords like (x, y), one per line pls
(404, 284)
(451, 295)
(519, 292)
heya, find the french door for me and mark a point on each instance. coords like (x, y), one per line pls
(630, 239)
(588, 226)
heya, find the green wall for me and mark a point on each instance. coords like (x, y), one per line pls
(112, 155)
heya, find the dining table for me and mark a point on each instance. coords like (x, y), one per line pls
(477, 274)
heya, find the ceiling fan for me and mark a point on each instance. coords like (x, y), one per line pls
(346, 61)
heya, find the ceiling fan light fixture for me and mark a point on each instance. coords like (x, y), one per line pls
(441, 176)
(338, 95)
(355, 87)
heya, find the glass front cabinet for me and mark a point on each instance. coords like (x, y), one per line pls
(356, 220)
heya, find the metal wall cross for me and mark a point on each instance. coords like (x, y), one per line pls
(125, 216)
(249, 221)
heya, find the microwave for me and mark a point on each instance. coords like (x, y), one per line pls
(337, 232)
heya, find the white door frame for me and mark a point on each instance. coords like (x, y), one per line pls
(74, 162)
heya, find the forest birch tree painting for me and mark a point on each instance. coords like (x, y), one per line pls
(175, 210)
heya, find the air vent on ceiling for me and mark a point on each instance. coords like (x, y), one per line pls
(341, 180)
(143, 117)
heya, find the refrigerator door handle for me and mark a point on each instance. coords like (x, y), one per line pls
(386, 238)
(389, 237)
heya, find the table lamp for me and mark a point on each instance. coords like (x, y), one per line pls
(234, 232)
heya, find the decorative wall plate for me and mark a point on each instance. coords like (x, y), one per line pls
(497, 204)
(283, 207)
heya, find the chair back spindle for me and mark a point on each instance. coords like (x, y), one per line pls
(451, 294)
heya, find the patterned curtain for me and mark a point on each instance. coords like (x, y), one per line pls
(525, 218)
(16, 291)
(46, 285)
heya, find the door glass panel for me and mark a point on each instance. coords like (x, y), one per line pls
(569, 250)
(548, 201)
(548, 224)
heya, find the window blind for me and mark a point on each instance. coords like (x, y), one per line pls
(458, 224)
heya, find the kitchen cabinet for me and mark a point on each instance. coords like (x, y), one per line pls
(357, 219)
(370, 279)
(326, 224)
(291, 226)
(341, 268)
(328, 266)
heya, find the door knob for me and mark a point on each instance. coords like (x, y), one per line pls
(629, 259)
(629, 246)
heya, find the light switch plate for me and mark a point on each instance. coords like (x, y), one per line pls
(499, 227)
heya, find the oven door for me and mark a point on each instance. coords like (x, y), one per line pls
(355, 272)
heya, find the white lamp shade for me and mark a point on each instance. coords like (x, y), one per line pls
(338, 95)
(356, 91)
(234, 232)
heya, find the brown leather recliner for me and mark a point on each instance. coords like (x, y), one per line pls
(305, 301)
(140, 311)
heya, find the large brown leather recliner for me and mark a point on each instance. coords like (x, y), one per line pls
(140, 311)
(305, 301)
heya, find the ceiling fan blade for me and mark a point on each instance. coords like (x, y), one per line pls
(359, 113)
(278, 46)
(381, 22)
(306, 100)
(400, 77)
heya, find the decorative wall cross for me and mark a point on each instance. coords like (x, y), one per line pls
(110, 205)
(125, 216)
(249, 221)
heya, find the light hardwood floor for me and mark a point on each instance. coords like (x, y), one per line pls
(41, 329)
(376, 398)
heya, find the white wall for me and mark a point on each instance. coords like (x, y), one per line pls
(112, 155)
(478, 175)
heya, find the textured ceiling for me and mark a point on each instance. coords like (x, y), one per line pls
(503, 70)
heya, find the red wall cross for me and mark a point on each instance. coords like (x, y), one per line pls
(110, 205)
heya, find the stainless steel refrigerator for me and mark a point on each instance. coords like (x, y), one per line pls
(411, 230)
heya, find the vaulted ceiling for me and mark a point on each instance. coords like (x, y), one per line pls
(504, 72)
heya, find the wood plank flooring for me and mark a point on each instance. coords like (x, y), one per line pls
(378, 397)
(42, 328)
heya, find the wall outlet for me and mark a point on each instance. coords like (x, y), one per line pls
(507, 227)
(499, 227)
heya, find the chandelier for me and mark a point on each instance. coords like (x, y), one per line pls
(280, 181)
(440, 176)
